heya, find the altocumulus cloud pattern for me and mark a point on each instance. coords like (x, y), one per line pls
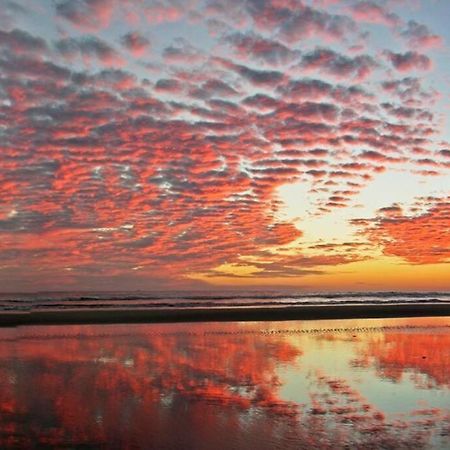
(156, 143)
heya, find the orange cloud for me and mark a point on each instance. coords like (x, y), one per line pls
(419, 239)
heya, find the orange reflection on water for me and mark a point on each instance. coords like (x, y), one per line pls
(218, 385)
(419, 352)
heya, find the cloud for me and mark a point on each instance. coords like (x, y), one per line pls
(403, 112)
(290, 21)
(89, 47)
(32, 68)
(182, 52)
(110, 163)
(409, 90)
(421, 238)
(136, 43)
(255, 76)
(213, 88)
(308, 110)
(328, 61)
(251, 46)
(371, 12)
(312, 88)
(168, 85)
(373, 156)
(306, 22)
(419, 36)
(19, 41)
(261, 101)
(405, 62)
(167, 10)
(86, 14)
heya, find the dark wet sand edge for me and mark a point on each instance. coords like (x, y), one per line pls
(301, 312)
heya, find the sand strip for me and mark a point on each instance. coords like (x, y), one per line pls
(301, 312)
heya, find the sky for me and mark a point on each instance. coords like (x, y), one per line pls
(212, 144)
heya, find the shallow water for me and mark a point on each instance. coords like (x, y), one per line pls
(378, 383)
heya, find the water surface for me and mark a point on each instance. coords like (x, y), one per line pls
(378, 383)
(58, 301)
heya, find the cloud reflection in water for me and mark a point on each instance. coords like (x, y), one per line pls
(235, 385)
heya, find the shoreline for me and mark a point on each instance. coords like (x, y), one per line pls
(220, 314)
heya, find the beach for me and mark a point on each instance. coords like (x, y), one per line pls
(297, 384)
(194, 314)
(225, 371)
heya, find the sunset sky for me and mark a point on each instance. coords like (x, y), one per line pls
(255, 144)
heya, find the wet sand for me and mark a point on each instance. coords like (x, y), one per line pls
(293, 385)
(301, 312)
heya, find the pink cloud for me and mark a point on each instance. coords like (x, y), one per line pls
(137, 44)
(405, 62)
(87, 14)
(250, 46)
(419, 36)
(160, 13)
(371, 12)
(329, 61)
(88, 48)
(105, 169)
